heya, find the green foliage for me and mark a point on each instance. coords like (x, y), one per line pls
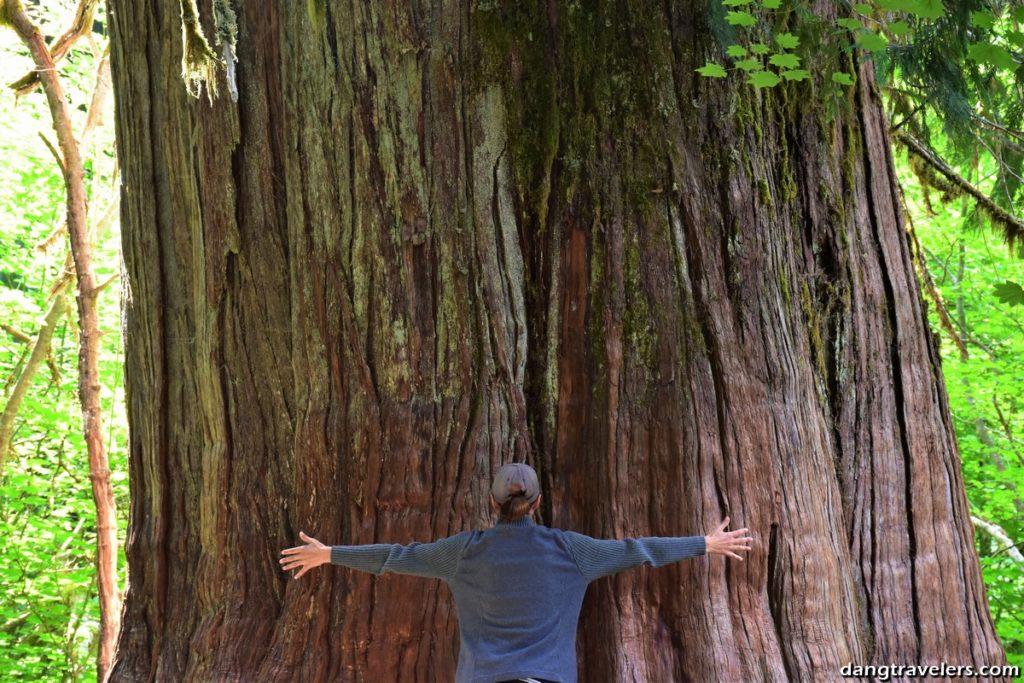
(980, 289)
(49, 614)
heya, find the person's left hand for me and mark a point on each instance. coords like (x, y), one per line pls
(722, 542)
(305, 557)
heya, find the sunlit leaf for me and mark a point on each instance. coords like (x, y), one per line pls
(842, 78)
(851, 24)
(736, 51)
(760, 49)
(749, 64)
(796, 75)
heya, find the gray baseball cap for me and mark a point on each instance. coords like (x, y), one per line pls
(517, 475)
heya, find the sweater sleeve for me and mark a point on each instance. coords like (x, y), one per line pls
(596, 558)
(438, 560)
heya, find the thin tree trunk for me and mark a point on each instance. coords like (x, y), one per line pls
(89, 334)
(430, 238)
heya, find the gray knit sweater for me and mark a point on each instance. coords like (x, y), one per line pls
(518, 588)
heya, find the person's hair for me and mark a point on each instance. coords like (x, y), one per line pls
(517, 506)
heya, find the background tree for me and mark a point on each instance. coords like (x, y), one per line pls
(429, 239)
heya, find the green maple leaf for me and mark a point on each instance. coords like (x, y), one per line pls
(740, 18)
(927, 9)
(1010, 293)
(786, 61)
(787, 41)
(712, 70)
(872, 42)
(763, 79)
(736, 51)
(796, 75)
(841, 78)
(983, 19)
(989, 53)
(899, 28)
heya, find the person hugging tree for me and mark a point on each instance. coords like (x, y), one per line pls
(518, 586)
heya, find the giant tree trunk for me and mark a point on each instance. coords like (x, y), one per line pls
(431, 239)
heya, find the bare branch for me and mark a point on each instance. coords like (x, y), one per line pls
(53, 151)
(27, 339)
(81, 25)
(17, 334)
(999, 533)
(39, 352)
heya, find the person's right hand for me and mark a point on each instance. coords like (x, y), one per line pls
(722, 542)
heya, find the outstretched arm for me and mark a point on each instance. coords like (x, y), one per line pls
(600, 557)
(437, 560)
(597, 558)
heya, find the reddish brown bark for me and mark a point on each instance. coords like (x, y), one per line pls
(429, 239)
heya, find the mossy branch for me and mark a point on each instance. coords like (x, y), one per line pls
(948, 181)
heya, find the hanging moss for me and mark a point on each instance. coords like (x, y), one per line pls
(198, 62)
